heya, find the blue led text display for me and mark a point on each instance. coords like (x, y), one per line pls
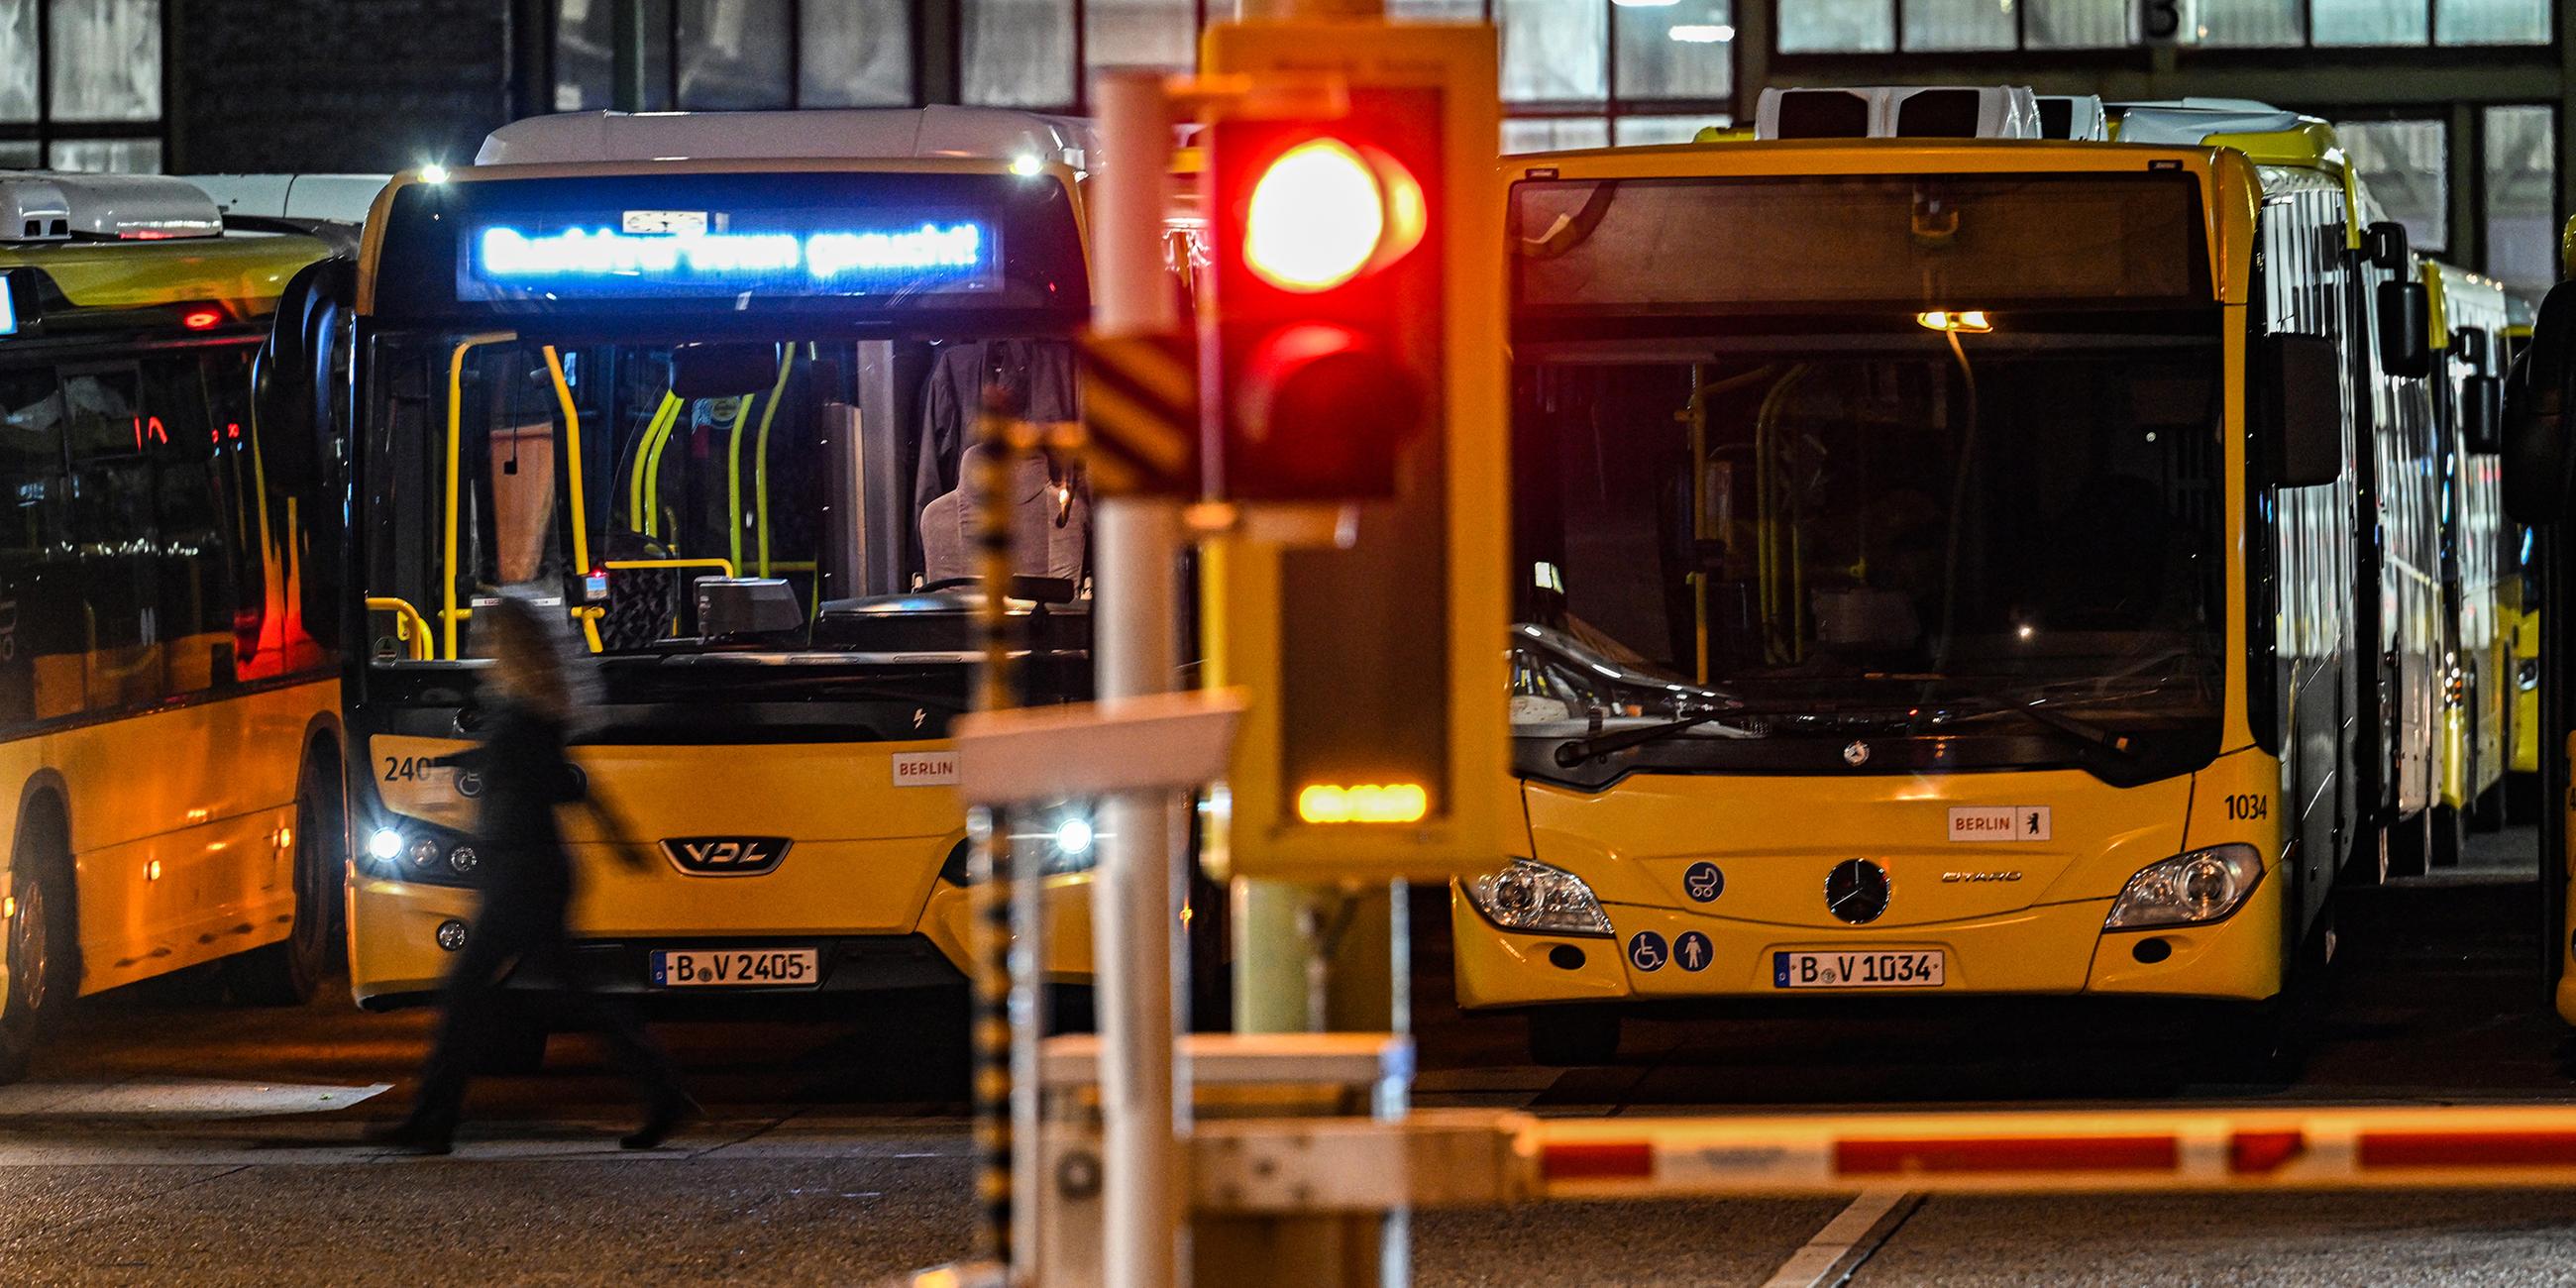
(747, 256)
(8, 310)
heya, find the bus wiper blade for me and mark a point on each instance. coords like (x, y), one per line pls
(2081, 730)
(1575, 751)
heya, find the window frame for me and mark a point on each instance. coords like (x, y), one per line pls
(2549, 37)
(47, 129)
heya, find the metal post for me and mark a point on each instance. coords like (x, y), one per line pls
(1133, 609)
(626, 56)
(991, 891)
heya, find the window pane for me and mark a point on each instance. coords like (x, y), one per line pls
(1676, 51)
(2491, 22)
(17, 60)
(585, 64)
(2404, 162)
(1553, 50)
(1833, 26)
(107, 59)
(1958, 24)
(2522, 183)
(1140, 33)
(2078, 24)
(1408, 10)
(20, 156)
(1553, 134)
(733, 54)
(1019, 53)
(857, 53)
(1632, 131)
(2250, 22)
(2371, 22)
(119, 156)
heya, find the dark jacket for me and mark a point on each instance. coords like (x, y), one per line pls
(526, 873)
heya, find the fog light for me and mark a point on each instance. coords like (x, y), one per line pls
(385, 845)
(451, 935)
(462, 859)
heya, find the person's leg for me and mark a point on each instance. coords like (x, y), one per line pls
(469, 1001)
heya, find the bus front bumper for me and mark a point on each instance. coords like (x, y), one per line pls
(2051, 949)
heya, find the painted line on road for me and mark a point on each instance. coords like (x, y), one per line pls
(1846, 1241)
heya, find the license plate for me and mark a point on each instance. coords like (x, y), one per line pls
(737, 968)
(1910, 969)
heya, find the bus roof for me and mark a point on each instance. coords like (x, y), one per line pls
(853, 134)
(245, 269)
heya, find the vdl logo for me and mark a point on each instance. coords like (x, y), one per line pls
(725, 856)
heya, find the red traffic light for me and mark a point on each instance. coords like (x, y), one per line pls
(1324, 211)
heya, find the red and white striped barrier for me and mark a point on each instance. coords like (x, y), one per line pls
(2141, 1149)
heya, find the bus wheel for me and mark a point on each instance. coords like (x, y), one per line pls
(289, 972)
(515, 1043)
(2449, 828)
(2410, 845)
(43, 950)
(1565, 1036)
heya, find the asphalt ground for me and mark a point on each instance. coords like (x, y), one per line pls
(168, 1137)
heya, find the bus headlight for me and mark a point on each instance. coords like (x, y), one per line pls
(385, 845)
(418, 851)
(1535, 898)
(2526, 674)
(2188, 889)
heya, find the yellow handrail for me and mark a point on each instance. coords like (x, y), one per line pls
(726, 565)
(643, 507)
(448, 613)
(760, 454)
(572, 466)
(409, 626)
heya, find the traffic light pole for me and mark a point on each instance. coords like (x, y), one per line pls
(1134, 612)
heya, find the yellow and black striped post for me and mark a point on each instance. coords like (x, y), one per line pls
(1002, 440)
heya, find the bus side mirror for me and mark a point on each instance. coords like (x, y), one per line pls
(2536, 400)
(2405, 329)
(2302, 409)
(2384, 245)
(294, 378)
(2482, 414)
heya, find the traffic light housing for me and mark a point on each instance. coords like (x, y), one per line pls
(1326, 299)
(1352, 341)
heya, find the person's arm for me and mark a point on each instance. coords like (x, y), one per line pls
(613, 824)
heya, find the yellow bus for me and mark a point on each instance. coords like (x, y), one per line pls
(168, 705)
(2479, 568)
(719, 407)
(1954, 561)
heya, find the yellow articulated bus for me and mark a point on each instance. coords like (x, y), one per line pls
(1964, 564)
(720, 407)
(2481, 583)
(168, 706)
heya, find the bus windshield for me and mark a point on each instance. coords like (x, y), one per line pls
(1874, 523)
(601, 472)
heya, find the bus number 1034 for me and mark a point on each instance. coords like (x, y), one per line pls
(2245, 806)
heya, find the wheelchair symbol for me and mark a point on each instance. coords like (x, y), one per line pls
(1646, 951)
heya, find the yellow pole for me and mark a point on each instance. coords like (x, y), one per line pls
(448, 613)
(760, 455)
(580, 514)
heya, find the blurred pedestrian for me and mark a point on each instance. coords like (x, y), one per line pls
(530, 692)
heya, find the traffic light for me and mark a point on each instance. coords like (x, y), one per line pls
(1353, 345)
(1327, 308)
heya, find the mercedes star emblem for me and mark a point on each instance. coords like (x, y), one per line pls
(1856, 754)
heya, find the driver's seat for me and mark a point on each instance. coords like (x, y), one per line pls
(1050, 525)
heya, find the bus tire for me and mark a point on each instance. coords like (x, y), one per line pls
(2410, 845)
(289, 972)
(2449, 836)
(1568, 1036)
(515, 1044)
(41, 936)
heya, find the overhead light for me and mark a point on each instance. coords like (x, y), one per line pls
(1714, 33)
(1025, 165)
(1970, 321)
(1645, 4)
(433, 173)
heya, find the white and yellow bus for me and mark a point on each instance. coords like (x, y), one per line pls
(721, 408)
(1959, 562)
(169, 708)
